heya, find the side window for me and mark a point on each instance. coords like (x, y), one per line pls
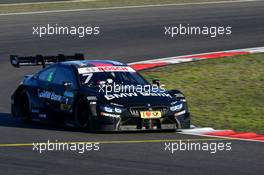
(64, 75)
(47, 75)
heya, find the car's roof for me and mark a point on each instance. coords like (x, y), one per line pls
(93, 63)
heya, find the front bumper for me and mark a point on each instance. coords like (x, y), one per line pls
(126, 122)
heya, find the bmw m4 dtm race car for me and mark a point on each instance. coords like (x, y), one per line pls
(95, 95)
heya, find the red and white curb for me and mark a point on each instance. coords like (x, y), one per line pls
(148, 64)
(210, 132)
(228, 134)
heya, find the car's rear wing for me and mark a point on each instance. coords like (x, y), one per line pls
(18, 61)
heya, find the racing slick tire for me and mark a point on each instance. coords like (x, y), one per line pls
(184, 121)
(82, 115)
(24, 106)
(186, 125)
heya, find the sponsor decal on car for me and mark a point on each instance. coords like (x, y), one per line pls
(55, 97)
(150, 114)
(65, 107)
(42, 116)
(85, 70)
(134, 94)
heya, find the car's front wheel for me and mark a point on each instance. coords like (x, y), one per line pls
(82, 114)
(184, 121)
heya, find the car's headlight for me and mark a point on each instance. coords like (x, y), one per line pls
(118, 110)
(176, 107)
(112, 109)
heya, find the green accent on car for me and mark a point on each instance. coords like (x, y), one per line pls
(50, 77)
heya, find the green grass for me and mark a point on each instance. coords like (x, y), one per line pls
(89, 4)
(226, 93)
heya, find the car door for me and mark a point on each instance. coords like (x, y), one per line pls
(64, 86)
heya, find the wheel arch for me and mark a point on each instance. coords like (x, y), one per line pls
(15, 98)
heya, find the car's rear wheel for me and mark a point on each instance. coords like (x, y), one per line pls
(24, 106)
(82, 114)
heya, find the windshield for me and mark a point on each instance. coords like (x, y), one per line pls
(125, 78)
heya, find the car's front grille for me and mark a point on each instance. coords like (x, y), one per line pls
(135, 111)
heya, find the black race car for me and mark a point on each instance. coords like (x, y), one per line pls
(95, 95)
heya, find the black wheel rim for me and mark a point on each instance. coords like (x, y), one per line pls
(82, 115)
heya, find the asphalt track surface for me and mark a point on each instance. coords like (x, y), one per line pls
(127, 35)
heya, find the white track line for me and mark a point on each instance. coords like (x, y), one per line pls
(43, 3)
(129, 7)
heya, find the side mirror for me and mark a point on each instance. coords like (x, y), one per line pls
(156, 82)
(67, 84)
(101, 83)
(109, 81)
